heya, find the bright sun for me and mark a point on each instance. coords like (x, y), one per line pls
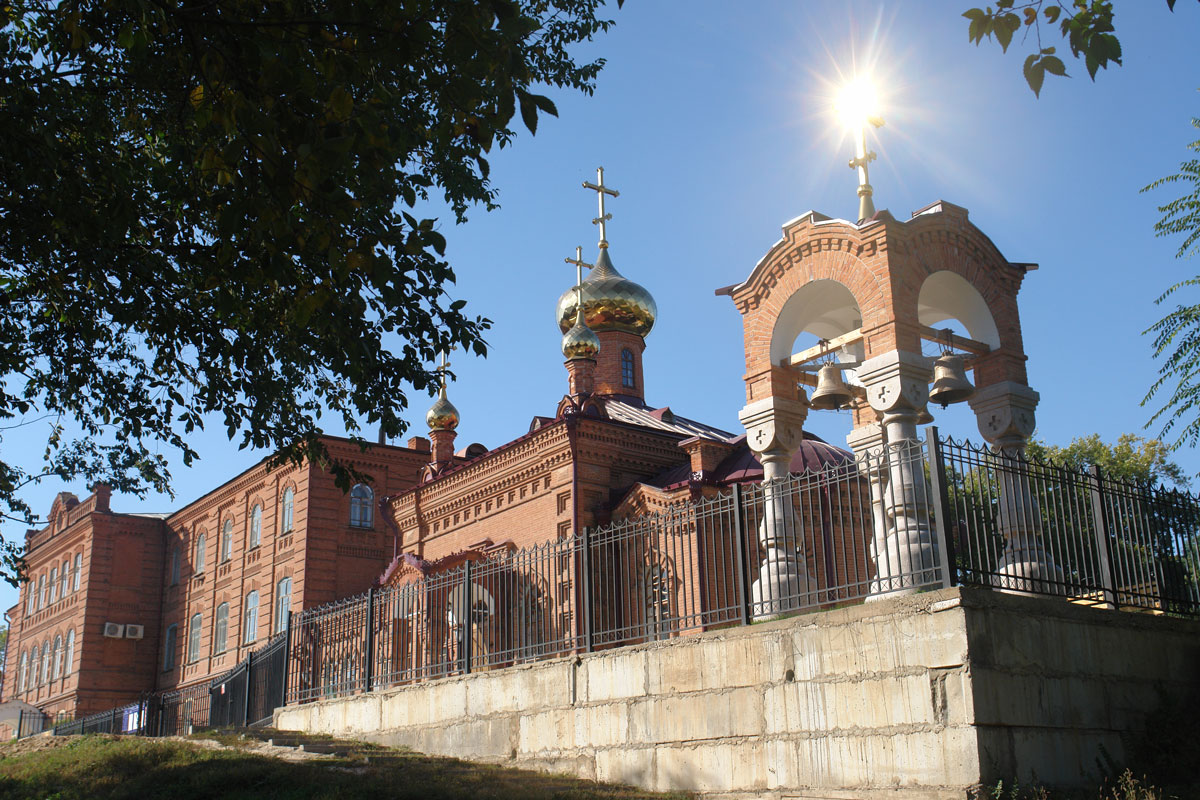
(857, 104)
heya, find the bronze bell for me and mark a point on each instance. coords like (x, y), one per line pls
(950, 384)
(923, 416)
(831, 391)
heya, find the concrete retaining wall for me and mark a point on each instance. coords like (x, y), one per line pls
(918, 697)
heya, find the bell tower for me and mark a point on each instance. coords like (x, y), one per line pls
(874, 290)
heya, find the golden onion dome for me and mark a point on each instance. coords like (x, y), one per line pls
(580, 342)
(611, 302)
(442, 416)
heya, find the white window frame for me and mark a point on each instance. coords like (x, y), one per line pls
(69, 662)
(58, 654)
(221, 629)
(283, 603)
(227, 540)
(78, 570)
(201, 546)
(255, 535)
(362, 506)
(287, 508)
(194, 629)
(250, 618)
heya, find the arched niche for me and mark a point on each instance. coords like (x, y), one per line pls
(825, 308)
(948, 295)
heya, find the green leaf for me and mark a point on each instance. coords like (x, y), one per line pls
(1034, 74)
(528, 110)
(1054, 65)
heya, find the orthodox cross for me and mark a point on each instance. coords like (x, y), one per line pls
(579, 265)
(441, 371)
(600, 189)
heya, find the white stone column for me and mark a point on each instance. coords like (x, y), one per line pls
(866, 442)
(774, 431)
(897, 386)
(1005, 413)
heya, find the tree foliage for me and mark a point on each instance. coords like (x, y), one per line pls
(1132, 458)
(1177, 335)
(213, 208)
(1087, 27)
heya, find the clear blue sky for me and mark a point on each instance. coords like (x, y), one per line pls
(712, 119)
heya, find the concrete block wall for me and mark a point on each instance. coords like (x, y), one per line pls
(919, 697)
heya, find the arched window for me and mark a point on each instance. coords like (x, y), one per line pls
(201, 544)
(69, 664)
(66, 579)
(627, 379)
(255, 526)
(45, 661)
(53, 584)
(227, 540)
(78, 570)
(23, 672)
(193, 651)
(250, 628)
(35, 661)
(362, 509)
(169, 647)
(221, 632)
(285, 512)
(58, 656)
(42, 591)
(174, 565)
(283, 604)
(30, 598)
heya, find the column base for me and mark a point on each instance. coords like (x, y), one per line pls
(783, 586)
(1026, 568)
(907, 565)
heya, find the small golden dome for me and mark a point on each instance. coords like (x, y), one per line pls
(611, 302)
(580, 342)
(442, 416)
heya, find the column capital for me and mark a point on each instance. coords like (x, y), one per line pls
(774, 423)
(1004, 412)
(896, 381)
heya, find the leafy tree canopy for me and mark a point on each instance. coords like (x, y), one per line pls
(211, 208)
(1177, 335)
(1087, 26)
(1132, 458)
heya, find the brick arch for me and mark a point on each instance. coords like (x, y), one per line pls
(932, 246)
(786, 272)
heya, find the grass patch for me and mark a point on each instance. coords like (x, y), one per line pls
(131, 768)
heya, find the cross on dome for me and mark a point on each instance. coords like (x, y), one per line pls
(600, 189)
(441, 371)
(579, 264)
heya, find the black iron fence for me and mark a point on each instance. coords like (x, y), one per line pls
(246, 695)
(901, 519)
(904, 518)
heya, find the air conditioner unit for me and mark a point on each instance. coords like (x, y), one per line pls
(114, 631)
(135, 631)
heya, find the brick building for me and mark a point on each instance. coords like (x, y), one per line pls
(117, 605)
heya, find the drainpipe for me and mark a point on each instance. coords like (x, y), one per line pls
(384, 502)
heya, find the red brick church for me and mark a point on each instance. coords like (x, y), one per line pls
(118, 604)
